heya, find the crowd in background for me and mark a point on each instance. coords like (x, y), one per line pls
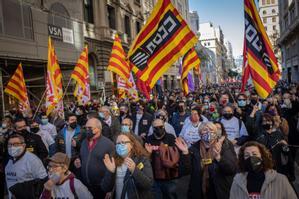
(215, 143)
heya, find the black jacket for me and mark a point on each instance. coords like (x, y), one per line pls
(144, 123)
(138, 185)
(221, 173)
(35, 145)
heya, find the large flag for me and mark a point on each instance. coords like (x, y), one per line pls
(16, 87)
(118, 63)
(122, 87)
(190, 61)
(127, 88)
(81, 76)
(165, 37)
(54, 91)
(259, 58)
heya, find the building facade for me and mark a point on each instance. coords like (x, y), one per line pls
(289, 39)
(24, 29)
(269, 13)
(212, 38)
(230, 62)
(194, 21)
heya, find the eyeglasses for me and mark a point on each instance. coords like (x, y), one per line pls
(15, 144)
(88, 128)
(123, 142)
(50, 167)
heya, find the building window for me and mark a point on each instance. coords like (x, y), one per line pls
(138, 27)
(264, 20)
(264, 12)
(273, 11)
(127, 26)
(273, 1)
(268, 1)
(88, 11)
(274, 27)
(263, 2)
(16, 19)
(266, 28)
(59, 16)
(273, 19)
(111, 17)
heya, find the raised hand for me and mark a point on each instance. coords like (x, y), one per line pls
(181, 144)
(130, 164)
(217, 149)
(109, 163)
(148, 147)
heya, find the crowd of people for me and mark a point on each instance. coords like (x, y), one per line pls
(215, 143)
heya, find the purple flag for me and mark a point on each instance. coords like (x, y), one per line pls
(190, 82)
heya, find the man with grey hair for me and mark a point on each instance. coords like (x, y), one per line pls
(111, 121)
(94, 174)
(162, 114)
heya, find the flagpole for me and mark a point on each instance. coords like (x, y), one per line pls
(65, 90)
(39, 104)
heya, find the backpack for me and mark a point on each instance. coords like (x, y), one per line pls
(72, 186)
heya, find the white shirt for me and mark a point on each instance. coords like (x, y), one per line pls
(46, 138)
(64, 190)
(50, 128)
(119, 183)
(68, 142)
(232, 128)
(27, 168)
(168, 128)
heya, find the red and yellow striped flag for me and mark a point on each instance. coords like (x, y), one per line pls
(259, 59)
(190, 61)
(81, 75)
(165, 37)
(118, 63)
(16, 87)
(54, 90)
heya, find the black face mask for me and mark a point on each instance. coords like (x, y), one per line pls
(159, 132)
(253, 164)
(73, 125)
(122, 113)
(181, 109)
(34, 129)
(267, 126)
(228, 116)
(253, 101)
(24, 131)
(89, 134)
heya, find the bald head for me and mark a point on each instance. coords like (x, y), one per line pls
(96, 126)
(105, 112)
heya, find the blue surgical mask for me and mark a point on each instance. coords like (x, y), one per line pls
(207, 137)
(101, 115)
(125, 129)
(44, 121)
(241, 103)
(122, 150)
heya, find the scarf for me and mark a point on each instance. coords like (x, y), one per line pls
(206, 160)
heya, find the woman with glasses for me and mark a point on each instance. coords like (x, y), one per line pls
(132, 167)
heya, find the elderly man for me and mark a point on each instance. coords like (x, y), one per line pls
(94, 174)
(127, 127)
(162, 114)
(111, 121)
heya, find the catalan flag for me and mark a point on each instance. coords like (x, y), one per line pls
(118, 63)
(54, 91)
(259, 60)
(16, 87)
(81, 76)
(190, 61)
(165, 37)
(122, 87)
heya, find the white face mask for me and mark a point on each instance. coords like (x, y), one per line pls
(15, 151)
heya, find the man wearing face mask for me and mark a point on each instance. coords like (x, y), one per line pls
(127, 126)
(111, 121)
(257, 179)
(142, 121)
(45, 136)
(47, 126)
(62, 183)
(165, 176)
(34, 143)
(123, 112)
(24, 172)
(161, 114)
(93, 171)
(179, 118)
(69, 139)
(234, 127)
